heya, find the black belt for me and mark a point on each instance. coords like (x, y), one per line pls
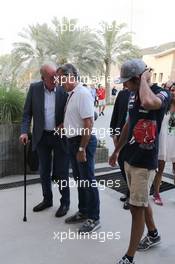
(73, 139)
(49, 132)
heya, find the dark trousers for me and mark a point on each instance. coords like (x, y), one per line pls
(52, 158)
(121, 160)
(83, 173)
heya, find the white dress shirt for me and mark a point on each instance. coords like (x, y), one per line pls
(49, 109)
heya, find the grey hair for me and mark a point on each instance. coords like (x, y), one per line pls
(69, 68)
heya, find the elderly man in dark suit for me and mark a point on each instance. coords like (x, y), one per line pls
(45, 103)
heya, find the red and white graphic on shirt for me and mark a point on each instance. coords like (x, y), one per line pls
(145, 131)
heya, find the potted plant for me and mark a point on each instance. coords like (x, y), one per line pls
(11, 107)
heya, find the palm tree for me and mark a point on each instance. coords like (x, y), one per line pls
(115, 47)
(32, 52)
(9, 71)
(92, 52)
(63, 42)
(70, 43)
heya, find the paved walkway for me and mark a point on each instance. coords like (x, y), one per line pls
(33, 242)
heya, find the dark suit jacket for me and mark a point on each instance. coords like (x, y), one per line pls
(120, 111)
(34, 108)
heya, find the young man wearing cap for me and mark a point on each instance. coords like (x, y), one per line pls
(147, 105)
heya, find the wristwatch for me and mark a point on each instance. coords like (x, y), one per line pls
(81, 149)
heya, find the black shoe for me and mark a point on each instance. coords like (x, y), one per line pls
(62, 210)
(76, 218)
(123, 198)
(148, 242)
(126, 205)
(102, 113)
(43, 205)
(125, 261)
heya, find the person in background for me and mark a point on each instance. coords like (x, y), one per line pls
(168, 85)
(101, 93)
(45, 105)
(118, 120)
(93, 92)
(113, 94)
(166, 144)
(96, 97)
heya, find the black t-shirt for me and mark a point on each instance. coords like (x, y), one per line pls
(144, 127)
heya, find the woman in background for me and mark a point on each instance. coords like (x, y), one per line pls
(166, 145)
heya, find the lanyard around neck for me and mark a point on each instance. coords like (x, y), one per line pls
(68, 99)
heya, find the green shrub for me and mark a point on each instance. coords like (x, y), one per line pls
(11, 105)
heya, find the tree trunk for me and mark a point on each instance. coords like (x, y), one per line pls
(107, 81)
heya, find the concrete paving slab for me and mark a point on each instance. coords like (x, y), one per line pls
(33, 242)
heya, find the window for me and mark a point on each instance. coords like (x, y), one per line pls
(160, 77)
(154, 77)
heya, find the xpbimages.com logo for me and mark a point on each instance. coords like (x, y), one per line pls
(72, 235)
(71, 27)
(100, 133)
(86, 79)
(101, 184)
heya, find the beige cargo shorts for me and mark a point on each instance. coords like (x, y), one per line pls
(139, 183)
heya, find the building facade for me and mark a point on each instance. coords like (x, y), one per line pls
(162, 60)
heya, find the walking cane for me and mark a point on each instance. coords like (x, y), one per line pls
(25, 172)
